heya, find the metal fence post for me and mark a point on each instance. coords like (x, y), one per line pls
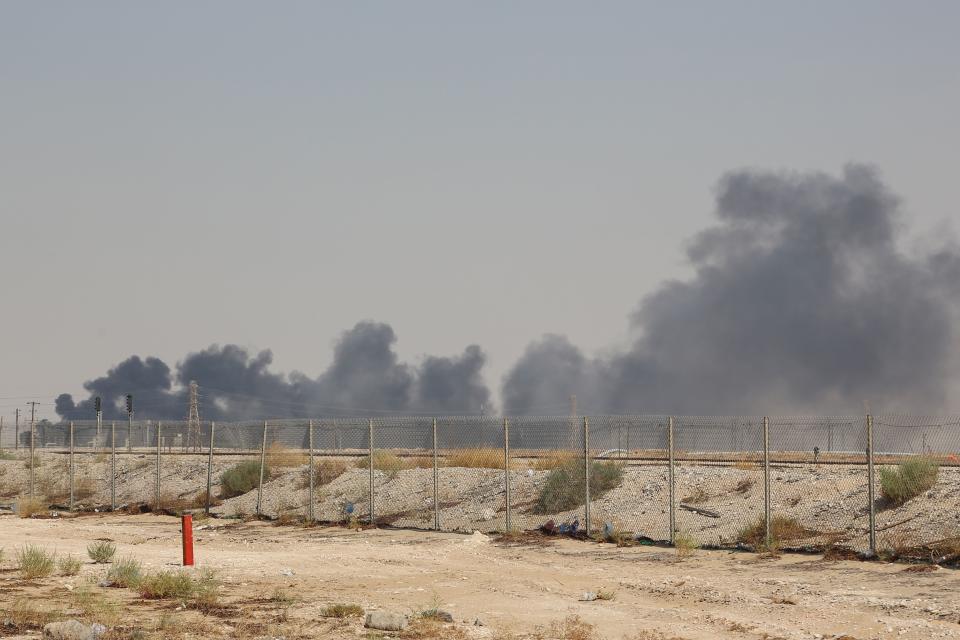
(311, 472)
(766, 481)
(436, 481)
(263, 461)
(586, 474)
(506, 469)
(370, 454)
(71, 467)
(671, 479)
(870, 487)
(32, 454)
(206, 508)
(113, 466)
(156, 504)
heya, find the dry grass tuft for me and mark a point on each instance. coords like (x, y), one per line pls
(745, 465)
(908, 480)
(571, 628)
(340, 610)
(281, 456)
(744, 485)
(69, 565)
(35, 562)
(325, 471)
(383, 461)
(29, 507)
(684, 544)
(697, 496)
(782, 529)
(478, 458)
(552, 460)
(101, 551)
(125, 573)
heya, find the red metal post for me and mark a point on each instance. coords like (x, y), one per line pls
(186, 527)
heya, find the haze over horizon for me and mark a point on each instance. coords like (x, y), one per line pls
(223, 174)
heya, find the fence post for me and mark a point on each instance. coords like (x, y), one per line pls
(436, 483)
(766, 480)
(263, 461)
(32, 454)
(671, 480)
(586, 474)
(206, 507)
(311, 472)
(370, 464)
(870, 487)
(506, 469)
(71, 466)
(113, 466)
(157, 504)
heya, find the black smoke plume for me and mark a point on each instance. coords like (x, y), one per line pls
(365, 375)
(802, 301)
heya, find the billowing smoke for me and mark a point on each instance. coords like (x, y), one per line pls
(365, 375)
(802, 300)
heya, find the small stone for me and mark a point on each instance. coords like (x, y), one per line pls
(588, 596)
(385, 621)
(442, 615)
(70, 630)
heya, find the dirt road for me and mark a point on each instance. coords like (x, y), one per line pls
(277, 581)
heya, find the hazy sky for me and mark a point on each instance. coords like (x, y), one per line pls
(267, 174)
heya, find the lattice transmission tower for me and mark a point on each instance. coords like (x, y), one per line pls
(193, 418)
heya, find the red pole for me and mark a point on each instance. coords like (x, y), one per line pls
(186, 527)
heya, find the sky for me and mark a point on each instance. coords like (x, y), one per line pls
(180, 174)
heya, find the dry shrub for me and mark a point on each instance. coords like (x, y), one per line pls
(685, 544)
(432, 629)
(697, 496)
(340, 610)
(69, 565)
(421, 462)
(782, 529)
(553, 460)
(93, 606)
(565, 488)
(241, 478)
(908, 480)
(325, 471)
(477, 458)
(571, 628)
(101, 551)
(166, 584)
(383, 461)
(281, 456)
(745, 465)
(29, 507)
(744, 485)
(35, 562)
(125, 573)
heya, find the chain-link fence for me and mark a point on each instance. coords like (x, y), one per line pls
(794, 482)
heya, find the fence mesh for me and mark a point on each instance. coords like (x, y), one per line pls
(493, 474)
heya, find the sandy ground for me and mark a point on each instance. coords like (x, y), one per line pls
(508, 588)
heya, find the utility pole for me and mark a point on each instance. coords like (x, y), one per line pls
(1, 433)
(16, 434)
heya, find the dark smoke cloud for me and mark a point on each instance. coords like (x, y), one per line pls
(365, 375)
(802, 301)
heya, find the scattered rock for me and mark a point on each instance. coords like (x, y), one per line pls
(72, 630)
(442, 615)
(385, 621)
(588, 596)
